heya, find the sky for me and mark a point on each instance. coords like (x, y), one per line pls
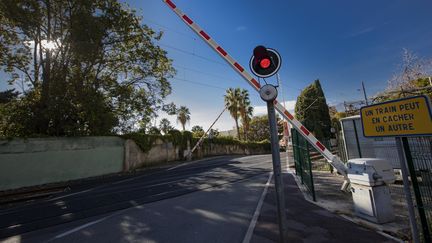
(339, 42)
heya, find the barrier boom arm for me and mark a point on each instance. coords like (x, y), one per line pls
(332, 159)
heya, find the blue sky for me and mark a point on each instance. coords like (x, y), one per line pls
(340, 42)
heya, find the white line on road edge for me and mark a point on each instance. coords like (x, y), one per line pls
(188, 163)
(256, 214)
(78, 228)
(72, 194)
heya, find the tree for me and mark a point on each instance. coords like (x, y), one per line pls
(154, 131)
(214, 133)
(312, 110)
(245, 111)
(89, 67)
(170, 109)
(412, 69)
(197, 131)
(183, 116)
(232, 104)
(8, 96)
(259, 129)
(165, 126)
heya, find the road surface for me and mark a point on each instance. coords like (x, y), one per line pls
(205, 201)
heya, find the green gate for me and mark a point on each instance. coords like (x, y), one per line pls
(303, 166)
(418, 152)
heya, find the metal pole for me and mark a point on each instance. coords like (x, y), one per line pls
(407, 190)
(331, 158)
(364, 93)
(277, 170)
(286, 133)
(189, 156)
(417, 193)
(269, 93)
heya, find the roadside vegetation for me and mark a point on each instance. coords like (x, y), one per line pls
(82, 68)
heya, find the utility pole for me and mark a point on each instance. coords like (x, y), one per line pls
(189, 155)
(268, 93)
(430, 81)
(364, 92)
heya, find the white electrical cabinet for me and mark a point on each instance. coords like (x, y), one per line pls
(369, 179)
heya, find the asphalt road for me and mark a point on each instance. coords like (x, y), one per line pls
(148, 207)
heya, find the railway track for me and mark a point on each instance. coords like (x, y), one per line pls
(121, 194)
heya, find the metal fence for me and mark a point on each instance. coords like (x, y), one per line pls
(418, 151)
(303, 166)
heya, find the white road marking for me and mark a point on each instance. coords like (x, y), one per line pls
(192, 162)
(78, 228)
(256, 214)
(72, 194)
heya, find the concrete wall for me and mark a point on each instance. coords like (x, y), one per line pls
(222, 149)
(38, 161)
(159, 153)
(162, 152)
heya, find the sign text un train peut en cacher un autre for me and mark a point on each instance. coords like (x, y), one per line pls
(402, 117)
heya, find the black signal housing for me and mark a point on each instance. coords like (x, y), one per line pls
(265, 62)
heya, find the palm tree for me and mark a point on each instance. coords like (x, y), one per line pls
(165, 126)
(232, 104)
(245, 111)
(183, 116)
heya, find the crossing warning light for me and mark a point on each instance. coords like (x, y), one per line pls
(265, 62)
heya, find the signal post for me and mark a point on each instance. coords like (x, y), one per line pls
(264, 63)
(264, 67)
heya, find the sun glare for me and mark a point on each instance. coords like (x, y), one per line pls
(50, 45)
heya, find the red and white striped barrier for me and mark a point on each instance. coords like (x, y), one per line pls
(332, 159)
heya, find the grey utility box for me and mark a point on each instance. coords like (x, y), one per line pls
(369, 179)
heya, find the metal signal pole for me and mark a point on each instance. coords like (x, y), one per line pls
(268, 93)
(331, 158)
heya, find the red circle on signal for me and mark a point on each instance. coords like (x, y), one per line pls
(265, 63)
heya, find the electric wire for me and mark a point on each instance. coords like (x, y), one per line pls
(199, 56)
(193, 54)
(198, 83)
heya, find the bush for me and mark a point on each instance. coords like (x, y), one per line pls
(146, 141)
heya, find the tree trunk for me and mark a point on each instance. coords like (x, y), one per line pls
(238, 130)
(44, 115)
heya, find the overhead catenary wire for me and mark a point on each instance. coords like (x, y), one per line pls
(197, 55)
(198, 83)
(164, 27)
(201, 72)
(193, 54)
(331, 158)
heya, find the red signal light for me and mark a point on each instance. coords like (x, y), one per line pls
(265, 63)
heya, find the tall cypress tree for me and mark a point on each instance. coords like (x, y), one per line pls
(312, 110)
